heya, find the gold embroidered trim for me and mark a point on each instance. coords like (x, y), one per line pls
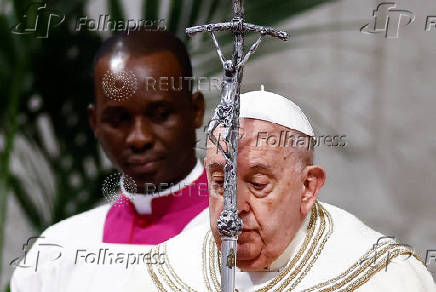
(212, 263)
(164, 274)
(204, 259)
(311, 228)
(359, 277)
(318, 212)
(214, 268)
(354, 277)
(154, 276)
(373, 271)
(210, 259)
(318, 251)
(173, 273)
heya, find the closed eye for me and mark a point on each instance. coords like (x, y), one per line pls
(116, 119)
(258, 186)
(160, 112)
(218, 184)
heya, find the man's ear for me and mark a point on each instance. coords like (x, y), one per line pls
(314, 178)
(198, 108)
(92, 118)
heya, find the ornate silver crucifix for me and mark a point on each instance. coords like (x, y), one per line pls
(227, 115)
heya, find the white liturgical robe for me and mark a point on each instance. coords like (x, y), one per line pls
(332, 251)
(73, 254)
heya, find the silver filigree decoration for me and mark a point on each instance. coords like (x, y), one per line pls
(229, 224)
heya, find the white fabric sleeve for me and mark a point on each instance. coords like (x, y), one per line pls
(402, 275)
(37, 271)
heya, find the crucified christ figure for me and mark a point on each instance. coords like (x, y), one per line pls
(224, 112)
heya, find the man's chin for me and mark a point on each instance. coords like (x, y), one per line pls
(144, 183)
(248, 252)
(254, 265)
(250, 258)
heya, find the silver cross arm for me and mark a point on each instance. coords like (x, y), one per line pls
(238, 26)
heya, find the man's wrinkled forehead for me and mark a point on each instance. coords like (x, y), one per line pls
(251, 129)
(250, 136)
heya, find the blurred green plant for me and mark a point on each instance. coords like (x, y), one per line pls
(46, 84)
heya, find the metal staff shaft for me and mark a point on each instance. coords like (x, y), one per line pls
(227, 114)
(229, 241)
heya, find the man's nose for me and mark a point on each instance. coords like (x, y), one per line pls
(140, 136)
(243, 199)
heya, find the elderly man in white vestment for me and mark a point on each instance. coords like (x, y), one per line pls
(290, 240)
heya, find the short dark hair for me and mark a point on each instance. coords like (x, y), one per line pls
(144, 42)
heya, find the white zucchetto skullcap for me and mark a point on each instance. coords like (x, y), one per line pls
(274, 108)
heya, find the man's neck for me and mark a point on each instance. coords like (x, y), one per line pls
(292, 248)
(190, 164)
(142, 202)
(151, 188)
